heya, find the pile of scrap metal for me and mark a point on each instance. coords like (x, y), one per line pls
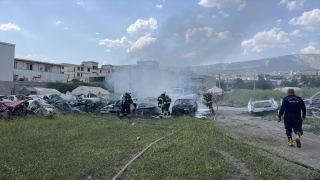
(148, 108)
(185, 105)
(262, 106)
(313, 106)
(48, 105)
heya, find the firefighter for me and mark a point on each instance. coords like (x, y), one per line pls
(167, 105)
(126, 100)
(291, 107)
(162, 103)
(208, 97)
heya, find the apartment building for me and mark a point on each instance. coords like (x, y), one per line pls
(88, 72)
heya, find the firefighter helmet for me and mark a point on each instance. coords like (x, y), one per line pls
(163, 92)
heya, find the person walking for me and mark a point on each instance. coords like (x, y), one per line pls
(291, 107)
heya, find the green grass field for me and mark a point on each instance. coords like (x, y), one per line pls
(82, 146)
(240, 98)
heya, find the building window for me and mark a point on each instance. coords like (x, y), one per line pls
(81, 68)
(62, 67)
(48, 68)
(78, 68)
(68, 76)
(30, 67)
(81, 74)
(15, 65)
(74, 69)
(40, 68)
(88, 69)
(78, 74)
(100, 70)
(74, 75)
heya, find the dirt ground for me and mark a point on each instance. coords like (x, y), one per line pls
(269, 135)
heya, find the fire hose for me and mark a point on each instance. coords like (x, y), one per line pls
(145, 149)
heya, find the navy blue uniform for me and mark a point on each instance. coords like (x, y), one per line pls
(291, 108)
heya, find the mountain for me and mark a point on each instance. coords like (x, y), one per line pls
(285, 63)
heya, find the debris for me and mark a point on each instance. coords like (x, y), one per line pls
(313, 105)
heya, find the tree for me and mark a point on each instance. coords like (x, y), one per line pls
(238, 84)
(263, 84)
(293, 83)
(223, 85)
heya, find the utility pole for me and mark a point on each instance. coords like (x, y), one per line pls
(219, 79)
(254, 83)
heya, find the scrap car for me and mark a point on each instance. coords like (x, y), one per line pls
(185, 106)
(262, 106)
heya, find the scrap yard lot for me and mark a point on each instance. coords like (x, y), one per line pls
(236, 145)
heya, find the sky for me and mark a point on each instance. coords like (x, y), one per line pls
(173, 32)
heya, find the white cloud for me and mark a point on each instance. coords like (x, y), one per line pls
(80, 3)
(97, 33)
(275, 38)
(123, 42)
(159, 6)
(292, 5)
(234, 4)
(108, 50)
(312, 43)
(214, 16)
(282, 2)
(200, 16)
(9, 27)
(206, 33)
(47, 59)
(309, 20)
(222, 13)
(65, 28)
(141, 43)
(296, 33)
(188, 54)
(30, 56)
(143, 26)
(310, 50)
(58, 22)
(279, 21)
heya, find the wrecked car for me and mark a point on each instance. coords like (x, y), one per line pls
(262, 106)
(9, 109)
(313, 105)
(116, 107)
(148, 107)
(185, 106)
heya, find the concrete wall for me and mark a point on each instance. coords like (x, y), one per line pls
(7, 61)
(8, 87)
(46, 76)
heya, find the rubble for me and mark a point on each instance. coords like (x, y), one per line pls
(262, 106)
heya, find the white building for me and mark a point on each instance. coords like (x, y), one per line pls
(88, 72)
(37, 71)
(6, 60)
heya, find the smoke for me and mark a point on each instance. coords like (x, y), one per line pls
(186, 39)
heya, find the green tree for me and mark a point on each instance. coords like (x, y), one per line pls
(238, 84)
(223, 85)
(263, 84)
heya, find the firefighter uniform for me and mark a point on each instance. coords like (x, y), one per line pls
(162, 103)
(126, 100)
(291, 107)
(208, 97)
(167, 106)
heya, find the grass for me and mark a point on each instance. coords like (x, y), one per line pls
(315, 125)
(76, 147)
(240, 98)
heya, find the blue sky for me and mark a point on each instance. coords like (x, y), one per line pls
(173, 32)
